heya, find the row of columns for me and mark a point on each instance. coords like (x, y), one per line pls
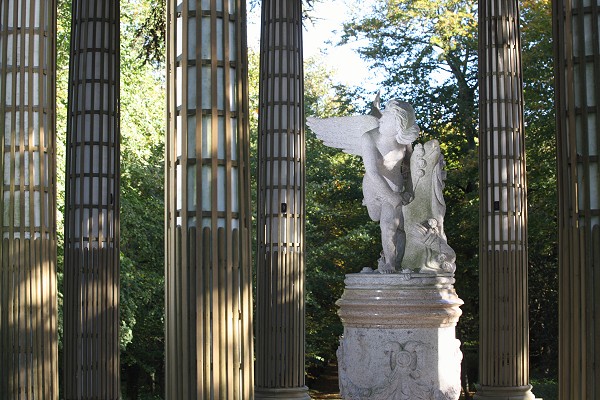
(208, 268)
(503, 240)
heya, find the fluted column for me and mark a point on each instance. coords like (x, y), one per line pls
(207, 267)
(577, 75)
(28, 309)
(503, 313)
(280, 273)
(91, 275)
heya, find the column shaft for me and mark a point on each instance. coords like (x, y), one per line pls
(207, 267)
(281, 216)
(28, 309)
(577, 75)
(91, 277)
(504, 354)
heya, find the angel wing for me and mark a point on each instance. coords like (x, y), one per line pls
(343, 132)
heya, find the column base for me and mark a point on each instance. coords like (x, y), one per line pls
(281, 393)
(504, 393)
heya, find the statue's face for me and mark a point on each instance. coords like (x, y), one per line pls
(387, 123)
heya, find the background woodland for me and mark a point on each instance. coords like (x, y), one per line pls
(424, 52)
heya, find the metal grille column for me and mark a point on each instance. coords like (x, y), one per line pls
(91, 277)
(503, 352)
(280, 274)
(28, 309)
(577, 74)
(207, 268)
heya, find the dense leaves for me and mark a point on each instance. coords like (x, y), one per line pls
(428, 50)
(340, 238)
(538, 81)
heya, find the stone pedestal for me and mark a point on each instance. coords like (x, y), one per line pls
(399, 337)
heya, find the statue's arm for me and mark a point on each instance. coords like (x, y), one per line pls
(376, 182)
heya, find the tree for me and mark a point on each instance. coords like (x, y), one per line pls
(340, 236)
(538, 76)
(428, 51)
(142, 211)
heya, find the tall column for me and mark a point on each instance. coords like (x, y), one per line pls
(577, 75)
(91, 277)
(207, 269)
(280, 273)
(503, 312)
(28, 309)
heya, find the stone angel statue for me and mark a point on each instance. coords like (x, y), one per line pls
(401, 191)
(384, 141)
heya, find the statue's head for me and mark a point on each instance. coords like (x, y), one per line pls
(403, 116)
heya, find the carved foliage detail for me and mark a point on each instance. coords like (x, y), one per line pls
(404, 377)
(427, 249)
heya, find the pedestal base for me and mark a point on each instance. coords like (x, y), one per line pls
(399, 337)
(281, 393)
(504, 393)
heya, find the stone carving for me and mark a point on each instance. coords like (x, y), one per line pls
(403, 375)
(402, 189)
(426, 244)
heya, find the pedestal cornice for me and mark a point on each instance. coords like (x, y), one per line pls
(399, 300)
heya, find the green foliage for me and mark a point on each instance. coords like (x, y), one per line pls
(150, 32)
(340, 238)
(428, 51)
(142, 211)
(545, 389)
(538, 81)
(63, 28)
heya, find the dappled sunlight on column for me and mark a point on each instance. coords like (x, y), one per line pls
(207, 266)
(28, 303)
(504, 324)
(91, 277)
(576, 27)
(281, 209)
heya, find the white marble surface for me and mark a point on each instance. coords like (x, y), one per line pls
(384, 141)
(399, 364)
(399, 338)
(402, 186)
